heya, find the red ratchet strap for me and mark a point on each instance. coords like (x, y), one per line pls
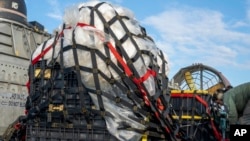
(186, 95)
(38, 57)
(120, 60)
(26, 112)
(129, 73)
(17, 126)
(203, 102)
(28, 86)
(84, 24)
(127, 69)
(124, 65)
(216, 133)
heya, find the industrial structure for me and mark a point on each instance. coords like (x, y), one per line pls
(18, 39)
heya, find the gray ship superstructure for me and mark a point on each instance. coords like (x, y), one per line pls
(18, 39)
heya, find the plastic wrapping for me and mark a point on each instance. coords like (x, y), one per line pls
(94, 37)
(47, 55)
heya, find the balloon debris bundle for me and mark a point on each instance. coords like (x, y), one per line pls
(100, 77)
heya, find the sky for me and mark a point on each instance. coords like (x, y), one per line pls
(215, 33)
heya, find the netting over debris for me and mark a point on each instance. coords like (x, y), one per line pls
(101, 70)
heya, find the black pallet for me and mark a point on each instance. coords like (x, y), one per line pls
(39, 133)
(57, 115)
(187, 106)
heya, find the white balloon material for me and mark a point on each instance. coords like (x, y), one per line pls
(94, 37)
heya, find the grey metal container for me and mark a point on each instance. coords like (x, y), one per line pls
(17, 42)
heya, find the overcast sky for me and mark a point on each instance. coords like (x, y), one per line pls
(212, 32)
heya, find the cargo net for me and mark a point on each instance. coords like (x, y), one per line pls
(196, 114)
(101, 72)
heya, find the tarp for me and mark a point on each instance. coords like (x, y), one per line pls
(117, 64)
(237, 100)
